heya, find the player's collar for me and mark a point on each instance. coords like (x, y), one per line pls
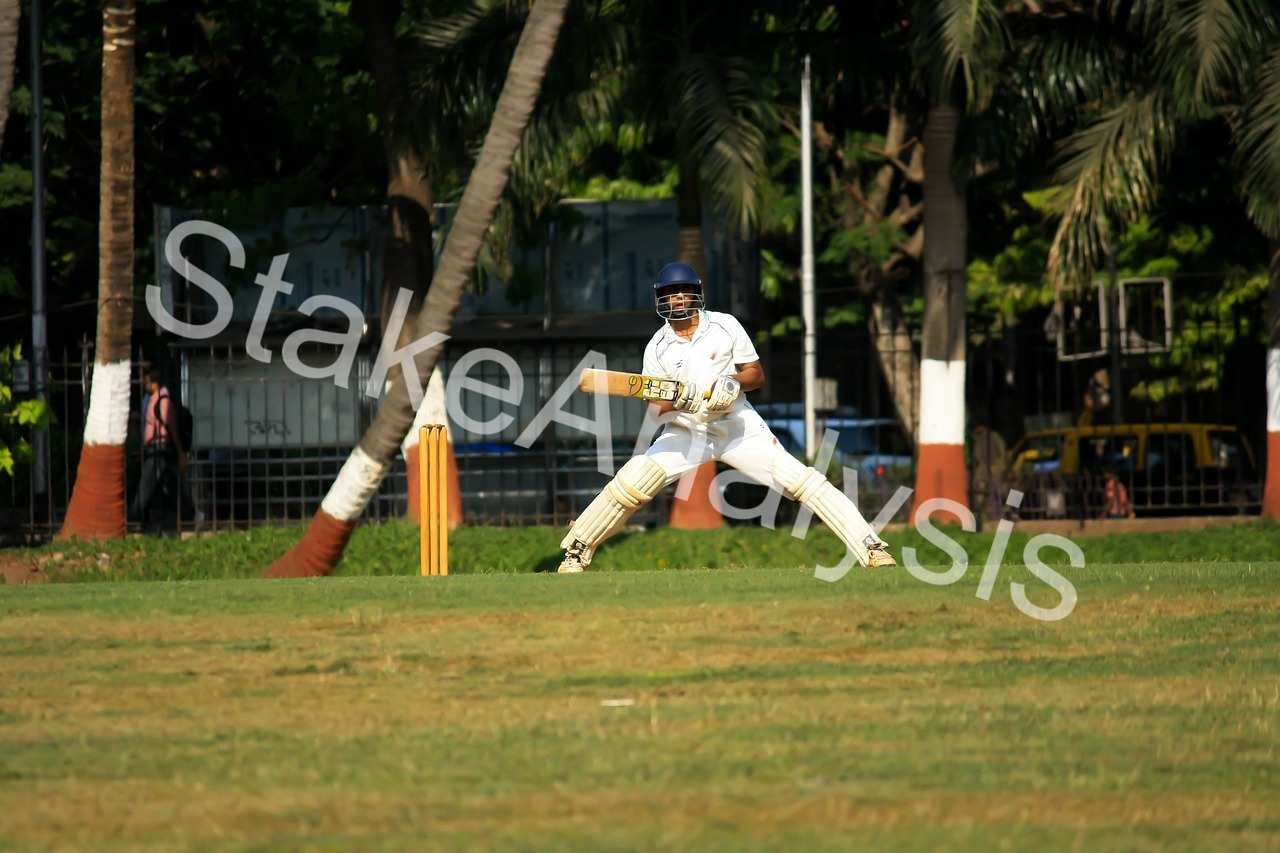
(670, 333)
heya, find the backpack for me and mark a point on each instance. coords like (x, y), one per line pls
(186, 422)
(186, 426)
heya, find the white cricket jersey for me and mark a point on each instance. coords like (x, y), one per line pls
(718, 345)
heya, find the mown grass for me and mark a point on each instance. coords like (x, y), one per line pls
(392, 548)
(734, 709)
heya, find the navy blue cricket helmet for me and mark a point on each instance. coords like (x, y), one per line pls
(677, 278)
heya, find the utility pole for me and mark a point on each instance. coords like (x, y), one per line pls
(39, 310)
(810, 345)
(1116, 341)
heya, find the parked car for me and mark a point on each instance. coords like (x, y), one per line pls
(876, 448)
(1166, 468)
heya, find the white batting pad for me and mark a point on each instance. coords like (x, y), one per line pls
(636, 483)
(831, 505)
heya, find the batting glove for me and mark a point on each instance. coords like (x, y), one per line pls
(689, 399)
(725, 390)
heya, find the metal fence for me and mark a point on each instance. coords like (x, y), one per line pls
(268, 444)
(1086, 420)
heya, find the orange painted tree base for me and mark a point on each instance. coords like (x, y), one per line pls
(455, 495)
(318, 552)
(697, 513)
(97, 508)
(940, 473)
(1271, 497)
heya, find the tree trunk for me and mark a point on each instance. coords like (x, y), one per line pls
(97, 508)
(940, 465)
(690, 246)
(695, 511)
(895, 352)
(898, 362)
(1271, 497)
(408, 259)
(9, 15)
(322, 545)
(408, 253)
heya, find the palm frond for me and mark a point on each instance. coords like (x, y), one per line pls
(1258, 151)
(1052, 76)
(970, 36)
(460, 62)
(1109, 173)
(457, 65)
(1141, 17)
(1217, 40)
(722, 116)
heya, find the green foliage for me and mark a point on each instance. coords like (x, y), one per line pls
(1196, 362)
(851, 245)
(1210, 316)
(17, 417)
(850, 314)
(15, 185)
(863, 244)
(1013, 280)
(606, 188)
(239, 107)
(775, 274)
(1185, 66)
(392, 548)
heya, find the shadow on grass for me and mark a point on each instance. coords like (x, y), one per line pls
(552, 562)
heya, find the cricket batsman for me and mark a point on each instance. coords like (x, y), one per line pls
(710, 354)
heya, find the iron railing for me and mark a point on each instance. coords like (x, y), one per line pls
(268, 444)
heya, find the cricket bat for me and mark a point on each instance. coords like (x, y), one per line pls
(615, 383)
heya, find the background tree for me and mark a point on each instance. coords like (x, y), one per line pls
(1188, 64)
(9, 15)
(408, 251)
(322, 545)
(241, 110)
(698, 81)
(963, 43)
(681, 79)
(97, 506)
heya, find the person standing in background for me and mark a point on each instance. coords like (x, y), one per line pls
(164, 458)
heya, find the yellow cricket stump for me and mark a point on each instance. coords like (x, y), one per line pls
(433, 499)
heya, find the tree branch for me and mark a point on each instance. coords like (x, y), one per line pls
(913, 172)
(908, 251)
(906, 212)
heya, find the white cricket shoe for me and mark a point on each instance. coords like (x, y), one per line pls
(573, 562)
(878, 555)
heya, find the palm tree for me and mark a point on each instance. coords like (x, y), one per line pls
(687, 77)
(321, 546)
(962, 89)
(408, 252)
(963, 42)
(9, 13)
(1186, 63)
(408, 256)
(97, 507)
(695, 79)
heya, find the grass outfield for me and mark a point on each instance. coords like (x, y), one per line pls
(677, 709)
(392, 548)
